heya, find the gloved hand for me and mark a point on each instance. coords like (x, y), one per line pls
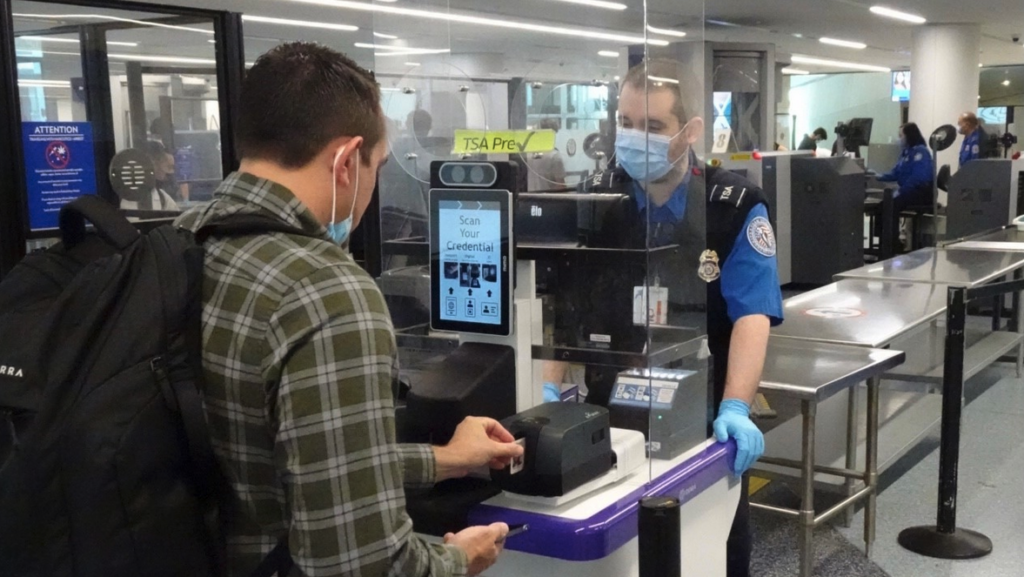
(734, 422)
(552, 393)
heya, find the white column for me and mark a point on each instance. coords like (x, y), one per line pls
(944, 79)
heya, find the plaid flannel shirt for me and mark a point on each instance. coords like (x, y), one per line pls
(298, 358)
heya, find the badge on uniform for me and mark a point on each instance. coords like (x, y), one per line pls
(709, 270)
(761, 236)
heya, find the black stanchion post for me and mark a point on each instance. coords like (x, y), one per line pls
(660, 537)
(943, 540)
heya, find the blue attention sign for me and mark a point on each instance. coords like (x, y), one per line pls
(59, 167)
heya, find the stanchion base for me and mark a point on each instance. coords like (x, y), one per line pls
(961, 544)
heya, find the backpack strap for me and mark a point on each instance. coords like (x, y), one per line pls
(110, 224)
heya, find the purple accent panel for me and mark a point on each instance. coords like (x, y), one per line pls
(601, 535)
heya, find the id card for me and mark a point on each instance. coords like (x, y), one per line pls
(653, 310)
(518, 463)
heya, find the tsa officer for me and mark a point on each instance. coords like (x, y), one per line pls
(975, 138)
(730, 263)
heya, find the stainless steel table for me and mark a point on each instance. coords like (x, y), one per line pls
(812, 373)
(966, 268)
(863, 313)
(1006, 239)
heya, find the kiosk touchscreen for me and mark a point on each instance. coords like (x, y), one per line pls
(470, 261)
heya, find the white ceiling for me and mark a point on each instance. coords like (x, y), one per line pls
(505, 53)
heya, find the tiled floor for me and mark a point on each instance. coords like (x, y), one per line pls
(991, 468)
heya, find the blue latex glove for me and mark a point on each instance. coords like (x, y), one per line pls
(734, 422)
(552, 393)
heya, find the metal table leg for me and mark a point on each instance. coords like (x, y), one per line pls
(852, 409)
(809, 409)
(871, 464)
(1016, 323)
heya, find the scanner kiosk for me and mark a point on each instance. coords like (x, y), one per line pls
(586, 466)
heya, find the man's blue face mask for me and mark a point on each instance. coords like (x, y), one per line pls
(642, 155)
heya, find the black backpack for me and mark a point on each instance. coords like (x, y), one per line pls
(106, 466)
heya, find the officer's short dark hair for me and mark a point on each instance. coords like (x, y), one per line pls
(821, 133)
(665, 74)
(298, 98)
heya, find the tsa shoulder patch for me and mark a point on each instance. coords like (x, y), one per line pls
(761, 236)
(919, 157)
(729, 194)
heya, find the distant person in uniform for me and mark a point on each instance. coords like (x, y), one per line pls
(914, 172)
(162, 196)
(546, 170)
(975, 138)
(810, 141)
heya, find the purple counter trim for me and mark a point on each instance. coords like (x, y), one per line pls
(601, 535)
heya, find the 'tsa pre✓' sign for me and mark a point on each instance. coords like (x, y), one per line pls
(59, 167)
(503, 141)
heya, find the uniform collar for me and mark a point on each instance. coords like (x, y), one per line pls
(676, 203)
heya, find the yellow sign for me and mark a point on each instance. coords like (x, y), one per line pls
(503, 141)
(741, 157)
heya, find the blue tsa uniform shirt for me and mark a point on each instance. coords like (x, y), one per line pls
(750, 275)
(914, 172)
(971, 148)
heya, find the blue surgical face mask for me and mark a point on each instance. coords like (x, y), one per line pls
(340, 231)
(642, 155)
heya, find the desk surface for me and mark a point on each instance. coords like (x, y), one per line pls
(863, 313)
(816, 371)
(964, 268)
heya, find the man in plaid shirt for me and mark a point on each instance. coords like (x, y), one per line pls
(298, 348)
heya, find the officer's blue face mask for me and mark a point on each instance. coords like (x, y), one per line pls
(642, 155)
(340, 231)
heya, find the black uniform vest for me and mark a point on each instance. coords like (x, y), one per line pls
(723, 200)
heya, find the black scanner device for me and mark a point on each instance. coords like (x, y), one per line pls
(567, 445)
(477, 379)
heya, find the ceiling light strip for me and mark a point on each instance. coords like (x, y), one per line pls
(839, 64)
(890, 13)
(843, 43)
(113, 18)
(597, 4)
(483, 21)
(299, 23)
(666, 32)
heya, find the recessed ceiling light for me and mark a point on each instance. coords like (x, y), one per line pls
(608, 53)
(890, 13)
(462, 18)
(299, 23)
(794, 72)
(1006, 82)
(72, 40)
(412, 63)
(385, 36)
(843, 43)
(666, 32)
(839, 64)
(618, 78)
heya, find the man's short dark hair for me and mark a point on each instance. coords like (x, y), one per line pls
(156, 151)
(821, 133)
(299, 97)
(664, 74)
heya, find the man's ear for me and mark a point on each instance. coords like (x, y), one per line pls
(694, 130)
(345, 156)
